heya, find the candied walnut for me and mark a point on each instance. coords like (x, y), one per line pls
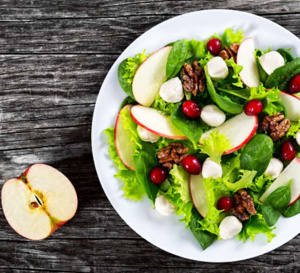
(172, 154)
(276, 125)
(228, 53)
(242, 205)
(193, 78)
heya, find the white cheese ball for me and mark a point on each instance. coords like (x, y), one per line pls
(212, 115)
(146, 135)
(172, 91)
(164, 206)
(217, 68)
(211, 169)
(271, 61)
(274, 168)
(229, 227)
(298, 138)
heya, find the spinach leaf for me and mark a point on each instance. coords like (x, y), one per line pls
(176, 58)
(282, 75)
(127, 100)
(276, 203)
(126, 86)
(145, 162)
(257, 154)
(224, 103)
(286, 54)
(191, 128)
(241, 93)
(204, 238)
(292, 210)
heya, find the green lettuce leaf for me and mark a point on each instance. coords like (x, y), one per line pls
(161, 105)
(245, 181)
(256, 225)
(236, 71)
(230, 36)
(215, 145)
(260, 182)
(294, 129)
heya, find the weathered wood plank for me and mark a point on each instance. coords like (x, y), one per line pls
(91, 35)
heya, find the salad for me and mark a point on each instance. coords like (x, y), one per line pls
(210, 130)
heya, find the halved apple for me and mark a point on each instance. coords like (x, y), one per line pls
(292, 105)
(198, 194)
(150, 76)
(124, 146)
(291, 172)
(156, 122)
(246, 58)
(239, 130)
(38, 202)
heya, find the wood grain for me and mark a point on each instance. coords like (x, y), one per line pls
(54, 56)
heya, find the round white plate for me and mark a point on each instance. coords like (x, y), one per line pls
(168, 233)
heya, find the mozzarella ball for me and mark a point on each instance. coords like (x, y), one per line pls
(164, 206)
(298, 138)
(172, 91)
(271, 61)
(274, 168)
(229, 227)
(146, 135)
(212, 115)
(211, 169)
(217, 68)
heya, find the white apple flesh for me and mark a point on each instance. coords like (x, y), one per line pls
(292, 105)
(38, 202)
(291, 172)
(239, 130)
(155, 121)
(198, 194)
(124, 146)
(246, 58)
(150, 76)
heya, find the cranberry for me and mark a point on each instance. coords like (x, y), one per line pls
(191, 164)
(158, 175)
(288, 151)
(295, 84)
(253, 107)
(214, 46)
(224, 203)
(191, 109)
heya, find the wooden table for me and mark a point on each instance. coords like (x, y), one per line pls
(54, 56)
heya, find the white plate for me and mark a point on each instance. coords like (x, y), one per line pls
(168, 233)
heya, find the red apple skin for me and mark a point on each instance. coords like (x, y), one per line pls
(154, 132)
(246, 140)
(115, 134)
(290, 94)
(56, 225)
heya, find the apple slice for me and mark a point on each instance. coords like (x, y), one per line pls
(156, 122)
(291, 172)
(124, 146)
(150, 76)
(239, 130)
(292, 105)
(38, 202)
(198, 194)
(246, 58)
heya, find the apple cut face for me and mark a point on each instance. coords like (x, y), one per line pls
(246, 58)
(292, 105)
(239, 130)
(291, 172)
(150, 76)
(40, 201)
(198, 194)
(124, 146)
(155, 122)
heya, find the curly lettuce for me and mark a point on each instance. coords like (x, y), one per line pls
(294, 129)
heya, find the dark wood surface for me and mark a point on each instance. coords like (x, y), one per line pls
(54, 56)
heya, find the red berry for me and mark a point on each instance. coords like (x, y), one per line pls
(253, 107)
(214, 46)
(191, 109)
(158, 175)
(224, 203)
(295, 84)
(191, 164)
(288, 151)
